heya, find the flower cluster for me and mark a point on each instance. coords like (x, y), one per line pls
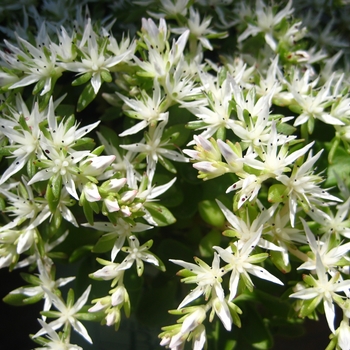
(143, 149)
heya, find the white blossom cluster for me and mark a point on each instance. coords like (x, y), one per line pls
(257, 118)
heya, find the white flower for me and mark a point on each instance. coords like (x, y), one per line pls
(266, 20)
(147, 109)
(67, 314)
(25, 142)
(337, 223)
(302, 186)
(274, 162)
(171, 8)
(329, 256)
(44, 283)
(94, 59)
(343, 333)
(37, 63)
(198, 31)
(208, 279)
(64, 135)
(55, 343)
(217, 114)
(139, 254)
(244, 230)
(60, 164)
(323, 289)
(118, 232)
(156, 149)
(241, 262)
(314, 106)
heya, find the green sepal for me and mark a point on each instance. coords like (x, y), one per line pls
(44, 129)
(235, 311)
(296, 108)
(161, 265)
(88, 212)
(82, 79)
(55, 183)
(167, 164)
(22, 190)
(69, 122)
(277, 193)
(106, 76)
(23, 123)
(211, 213)
(221, 133)
(258, 258)
(230, 233)
(52, 200)
(56, 219)
(7, 151)
(15, 299)
(91, 316)
(39, 86)
(311, 125)
(185, 273)
(195, 124)
(277, 259)
(98, 150)
(160, 214)
(309, 280)
(213, 238)
(31, 170)
(70, 297)
(30, 279)
(86, 97)
(34, 299)
(308, 307)
(2, 204)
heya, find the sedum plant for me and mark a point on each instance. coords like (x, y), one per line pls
(190, 156)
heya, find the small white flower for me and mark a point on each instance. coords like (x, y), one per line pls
(55, 343)
(208, 279)
(323, 289)
(67, 314)
(241, 262)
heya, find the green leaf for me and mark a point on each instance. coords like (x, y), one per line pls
(208, 241)
(211, 213)
(255, 331)
(80, 253)
(160, 214)
(105, 243)
(286, 129)
(340, 166)
(181, 134)
(86, 97)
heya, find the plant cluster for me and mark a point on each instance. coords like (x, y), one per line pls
(140, 134)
